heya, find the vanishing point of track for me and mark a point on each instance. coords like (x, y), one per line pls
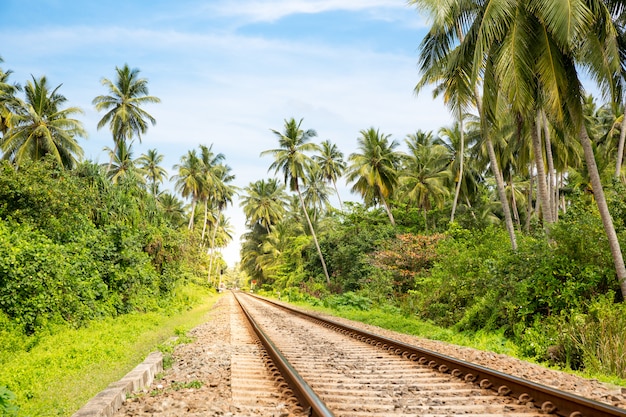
(329, 369)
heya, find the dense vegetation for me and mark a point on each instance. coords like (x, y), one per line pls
(510, 220)
(82, 242)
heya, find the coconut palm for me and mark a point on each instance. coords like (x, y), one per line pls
(221, 196)
(315, 191)
(41, 127)
(331, 164)
(374, 170)
(264, 203)
(210, 166)
(190, 181)
(290, 158)
(122, 165)
(528, 53)
(425, 174)
(443, 62)
(173, 208)
(124, 113)
(155, 173)
(8, 101)
(460, 143)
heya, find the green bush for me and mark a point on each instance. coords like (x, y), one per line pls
(7, 406)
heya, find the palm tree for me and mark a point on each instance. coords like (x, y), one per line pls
(443, 60)
(528, 52)
(123, 105)
(315, 191)
(173, 208)
(425, 173)
(291, 159)
(374, 170)
(41, 127)
(156, 174)
(331, 164)
(122, 165)
(190, 180)
(8, 101)
(264, 203)
(221, 197)
(468, 176)
(210, 166)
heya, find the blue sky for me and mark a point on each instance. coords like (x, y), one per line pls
(229, 71)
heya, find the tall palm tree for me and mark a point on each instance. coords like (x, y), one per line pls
(374, 170)
(221, 197)
(528, 52)
(155, 173)
(443, 61)
(190, 181)
(41, 127)
(468, 176)
(123, 105)
(331, 164)
(290, 158)
(210, 163)
(315, 191)
(264, 203)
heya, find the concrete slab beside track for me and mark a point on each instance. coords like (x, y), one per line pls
(108, 401)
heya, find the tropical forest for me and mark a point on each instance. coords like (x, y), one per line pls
(503, 230)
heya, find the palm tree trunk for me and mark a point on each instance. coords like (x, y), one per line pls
(462, 157)
(193, 212)
(217, 223)
(495, 168)
(514, 204)
(620, 148)
(337, 192)
(529, 206)
(552, 198)
(470, 207)
(508, 221)
(317, 245)
(603, 208)
(542, 188)
(391, 219)
(206, 215)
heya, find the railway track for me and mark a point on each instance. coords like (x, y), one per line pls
(332, 369)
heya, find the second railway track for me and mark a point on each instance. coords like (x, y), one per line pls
(356, 379)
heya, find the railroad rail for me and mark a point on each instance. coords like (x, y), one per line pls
(546, 399)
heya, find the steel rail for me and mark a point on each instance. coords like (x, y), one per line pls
(550, 400)
(303, 391)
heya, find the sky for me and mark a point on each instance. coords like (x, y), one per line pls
(228, 72)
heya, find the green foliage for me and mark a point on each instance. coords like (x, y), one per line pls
(348, 300)
(348, 242)
(54, 372)
(73, 248)
(7, 406)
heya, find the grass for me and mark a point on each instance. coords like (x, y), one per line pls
(64, 369)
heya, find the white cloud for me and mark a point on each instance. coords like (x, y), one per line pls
(224, 88)
(273, 10)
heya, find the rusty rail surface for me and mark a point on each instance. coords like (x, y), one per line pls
(550, 400)
(309, 400)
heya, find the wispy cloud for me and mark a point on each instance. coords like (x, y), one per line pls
(272, 10)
